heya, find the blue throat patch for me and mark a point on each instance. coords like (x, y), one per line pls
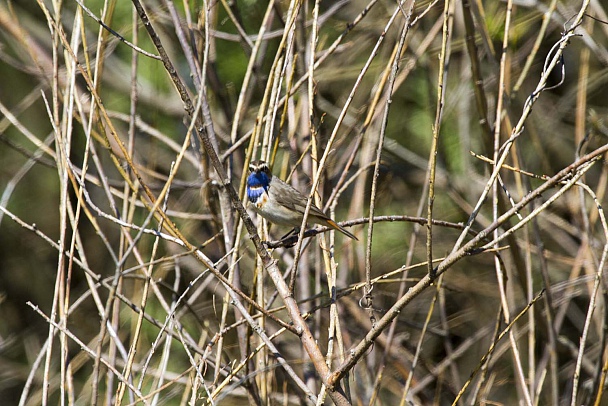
(257, 184)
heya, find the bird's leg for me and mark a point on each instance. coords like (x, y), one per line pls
(294, 231)
(288, 239)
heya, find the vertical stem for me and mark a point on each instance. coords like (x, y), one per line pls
(443, 62)
(499, 269)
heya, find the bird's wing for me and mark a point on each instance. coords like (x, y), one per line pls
(293, 199)
(290, 198)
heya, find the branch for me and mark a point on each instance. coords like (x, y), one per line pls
(204, 127)
(357, 352)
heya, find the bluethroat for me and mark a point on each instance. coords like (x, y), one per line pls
(280, 203)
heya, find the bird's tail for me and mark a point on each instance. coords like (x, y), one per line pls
(335, 226)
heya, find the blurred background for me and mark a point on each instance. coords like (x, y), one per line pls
(67, 186)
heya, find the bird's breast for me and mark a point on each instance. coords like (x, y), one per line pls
(257, 195)
(261, 201)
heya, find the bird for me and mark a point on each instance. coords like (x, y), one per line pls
(280, 203)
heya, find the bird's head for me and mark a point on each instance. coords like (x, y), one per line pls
(258, 180)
